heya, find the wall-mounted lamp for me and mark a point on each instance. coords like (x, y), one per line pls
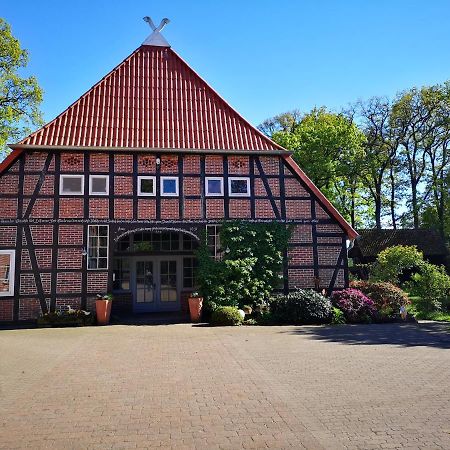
(158, 161)
(84, 252)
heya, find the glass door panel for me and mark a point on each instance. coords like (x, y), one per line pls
(168, 278)
(145, 288)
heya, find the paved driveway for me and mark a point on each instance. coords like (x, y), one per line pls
(380, 386)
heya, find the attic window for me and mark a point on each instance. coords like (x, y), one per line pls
(239, 186)
(71, 185)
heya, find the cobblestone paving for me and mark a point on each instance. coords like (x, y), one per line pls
(178, 386)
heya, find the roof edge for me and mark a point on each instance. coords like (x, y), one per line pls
(10, 159)
(351, 233)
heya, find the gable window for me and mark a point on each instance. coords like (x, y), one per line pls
(214, 186)
(7, 272)
(97, 250)
(213, 240)
(169, 186)
(71, 185)
(239, 186)
(146, 186)
(98, 184)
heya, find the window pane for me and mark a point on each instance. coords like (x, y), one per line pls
(169, 186)
(98, 185)
(239, 187)
(148, 186)
(214, 187)
(103, 230)
(5, 267)
(71, 185)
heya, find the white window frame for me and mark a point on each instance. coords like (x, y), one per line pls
(107, 248)
(238, 194)
(146, 194)
(215, 231)
(12, 260)
(106, 177)
(61, 184)
(171, 194)
(214, 194)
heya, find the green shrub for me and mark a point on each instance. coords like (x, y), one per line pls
(431, 285)
(393, 261)
(226, 315)
(387, 298)
(338, 317)
(301, 307)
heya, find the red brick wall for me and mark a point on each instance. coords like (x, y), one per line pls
(6, 309)
(8, 236)
(68, 282)
(99, 208)
(70, 234)
(97, 282)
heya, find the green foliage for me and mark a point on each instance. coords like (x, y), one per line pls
(392, 261)
(387, 298)
(300, 307)
(251, 266)
(338, 317)
(432, 287)
(225, 316)
(19, 97)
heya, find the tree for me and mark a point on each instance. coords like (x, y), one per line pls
(20, 97)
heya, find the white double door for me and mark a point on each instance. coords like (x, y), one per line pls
(157, 283)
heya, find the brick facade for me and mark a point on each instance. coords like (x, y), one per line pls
(57, 250)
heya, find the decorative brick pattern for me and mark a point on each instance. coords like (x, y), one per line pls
(6, 309)
(123, 163)
(147, 209)
(97, 282)
(99, 162)
(68, 282)
(298, 209)
(191, 186)
(238, 165)
(71, 208)
(42, 208)
(301, 256)
(301, 234)
(123, 208)
(169, 208)
(72, 162)
(9, 208)
(8, 236)
(70, 234)
(99, 208)
(70, 258)
(214, 164)
(192, 209)
(123, 185)
(301, 278)
(239, 208)
(191, 164)
(293, 188)
(9, 184)
(146, 163)
(214, 208)
(169, 164)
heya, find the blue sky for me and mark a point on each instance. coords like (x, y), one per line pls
(264, 57)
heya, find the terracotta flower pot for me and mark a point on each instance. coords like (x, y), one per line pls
(195, 308)
(103, 310)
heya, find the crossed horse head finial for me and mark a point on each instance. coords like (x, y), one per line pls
(163, 23)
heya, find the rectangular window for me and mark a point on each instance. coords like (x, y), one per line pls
(190, 266)
(71, 185)
(146, 186)
(239, 186)
(97, 250)
(169, 186)
(213, 240)
(214, 186)
(7, 272)
(98, 184)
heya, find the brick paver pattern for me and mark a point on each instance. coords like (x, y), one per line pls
(181, 386)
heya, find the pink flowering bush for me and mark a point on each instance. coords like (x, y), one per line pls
(355, 305)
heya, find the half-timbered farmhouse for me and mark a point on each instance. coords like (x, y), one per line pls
(114, 194)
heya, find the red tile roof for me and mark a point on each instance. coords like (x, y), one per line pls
(153, 99)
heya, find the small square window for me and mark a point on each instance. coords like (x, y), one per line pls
(169, 186)
(146, 186)
(214, 186)
(71, 185)
(239, 186)
(98, 184)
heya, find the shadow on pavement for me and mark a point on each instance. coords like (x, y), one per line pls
(432, 334)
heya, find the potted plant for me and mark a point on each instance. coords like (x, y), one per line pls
(195, 306)
(103, 308)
